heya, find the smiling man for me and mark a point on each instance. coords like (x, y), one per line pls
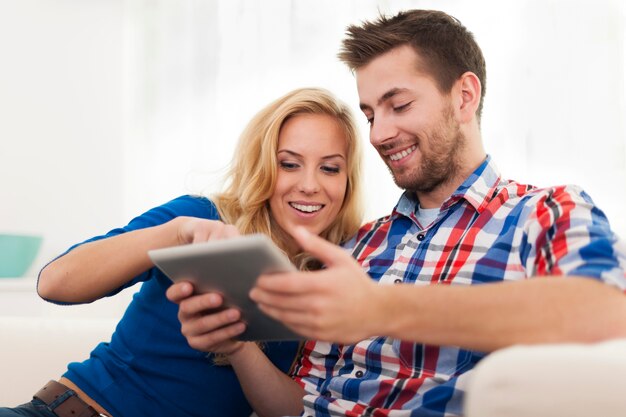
(467, 262)
(429, 145)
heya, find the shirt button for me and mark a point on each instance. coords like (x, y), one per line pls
(421, 237)
(359, 374)
(397, 281)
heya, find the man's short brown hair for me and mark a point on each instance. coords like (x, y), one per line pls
(445, 47)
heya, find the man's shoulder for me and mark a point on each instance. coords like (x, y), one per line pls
(373, 225)
(531, 194)
(365, 232)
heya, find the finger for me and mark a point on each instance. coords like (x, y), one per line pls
(312, 328)
(328, 253)
(179, 291)
(213, 341)
(197, 304)
(206, 323)
(230, 231)
(291, 317)
(285, 300)
(289, 283)
(224, 231)
(204, 229)
(298, 322)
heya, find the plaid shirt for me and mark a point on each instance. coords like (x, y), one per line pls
(489, 230)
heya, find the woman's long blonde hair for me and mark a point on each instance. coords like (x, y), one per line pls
(244, 202)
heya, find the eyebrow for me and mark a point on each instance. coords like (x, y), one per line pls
(292, 153)
(385, 97)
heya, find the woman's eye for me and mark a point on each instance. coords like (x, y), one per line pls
(288, 165)
(330, 169)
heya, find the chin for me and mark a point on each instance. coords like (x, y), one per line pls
(311, 229)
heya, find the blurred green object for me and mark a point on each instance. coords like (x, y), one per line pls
(17, 253)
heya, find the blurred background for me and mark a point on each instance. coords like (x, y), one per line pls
(110, 107)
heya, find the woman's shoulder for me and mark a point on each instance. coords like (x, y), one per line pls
(192, 205)
(185, 205)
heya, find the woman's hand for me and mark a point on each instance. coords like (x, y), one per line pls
(196, 230)
(205, 323)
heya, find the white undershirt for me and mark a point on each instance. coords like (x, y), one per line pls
(426, 216)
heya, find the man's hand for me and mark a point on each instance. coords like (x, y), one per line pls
(206, 325)
(339, 304)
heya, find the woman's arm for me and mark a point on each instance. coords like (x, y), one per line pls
(209, 329)
(96, 268)
(270, 392)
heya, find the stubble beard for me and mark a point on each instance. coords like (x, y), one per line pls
(441, 164)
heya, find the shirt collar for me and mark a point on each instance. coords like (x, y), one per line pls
(477, 190)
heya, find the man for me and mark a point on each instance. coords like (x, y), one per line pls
(450, 265)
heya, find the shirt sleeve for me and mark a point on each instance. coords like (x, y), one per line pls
(566, 234)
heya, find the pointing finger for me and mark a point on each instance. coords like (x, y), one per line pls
(328, 253)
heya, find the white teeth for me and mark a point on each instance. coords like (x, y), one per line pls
(306, 208)
(402, 154)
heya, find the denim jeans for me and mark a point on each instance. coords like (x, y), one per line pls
(35, 408)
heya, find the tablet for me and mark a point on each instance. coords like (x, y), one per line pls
(230, 267)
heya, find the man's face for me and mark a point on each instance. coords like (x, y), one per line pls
(412, 124)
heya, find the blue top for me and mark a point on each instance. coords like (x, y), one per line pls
(148, 369)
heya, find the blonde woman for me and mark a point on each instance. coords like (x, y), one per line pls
(297, 165)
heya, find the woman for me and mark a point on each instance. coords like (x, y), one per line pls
(297, 164)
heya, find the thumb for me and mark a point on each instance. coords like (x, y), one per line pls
(328, 253)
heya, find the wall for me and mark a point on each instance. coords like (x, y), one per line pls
(108, 107)
(61, 119)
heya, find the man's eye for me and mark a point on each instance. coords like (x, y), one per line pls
(402, 107)
(370, 121)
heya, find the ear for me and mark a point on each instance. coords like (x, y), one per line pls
(467, 91)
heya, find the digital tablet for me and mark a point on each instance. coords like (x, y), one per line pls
(230, 267)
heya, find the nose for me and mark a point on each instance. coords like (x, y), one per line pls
(382, 129)
(309, 182)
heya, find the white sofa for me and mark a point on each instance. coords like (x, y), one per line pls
(35, 350)
(566, 380)
(39, 338)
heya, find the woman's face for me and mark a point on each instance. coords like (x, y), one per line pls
(312, 173)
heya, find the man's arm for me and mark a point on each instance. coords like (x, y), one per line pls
(342, 304)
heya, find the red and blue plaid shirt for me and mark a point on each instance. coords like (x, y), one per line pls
(489, 230)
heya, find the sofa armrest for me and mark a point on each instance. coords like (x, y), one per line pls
(569, 380)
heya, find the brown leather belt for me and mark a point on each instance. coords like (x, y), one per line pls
(71, 406)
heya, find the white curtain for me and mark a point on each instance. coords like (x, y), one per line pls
(198, 70)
